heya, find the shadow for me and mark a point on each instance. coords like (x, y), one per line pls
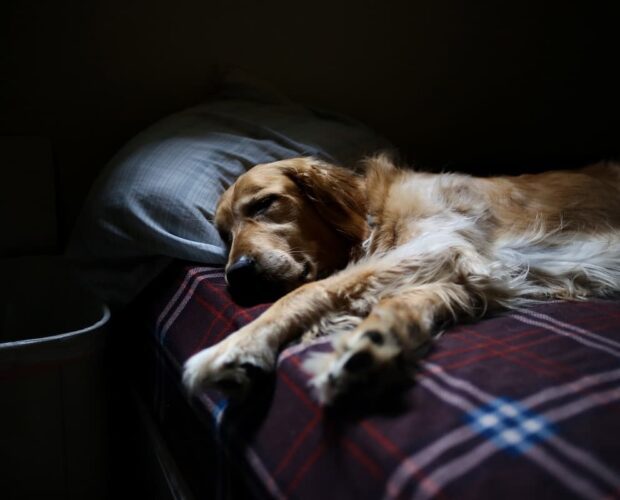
(245, 414)
(256, 294)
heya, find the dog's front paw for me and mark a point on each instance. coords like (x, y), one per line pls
(229, 366)
(374, 352)
(354, 359)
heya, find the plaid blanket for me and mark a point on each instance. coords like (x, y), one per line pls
(525, 404)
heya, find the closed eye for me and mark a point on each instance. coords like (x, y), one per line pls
(261, 205)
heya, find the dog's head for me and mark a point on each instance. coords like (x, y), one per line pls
(288, 223)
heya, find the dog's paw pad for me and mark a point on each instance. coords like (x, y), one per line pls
(359, 361)
(375, 336)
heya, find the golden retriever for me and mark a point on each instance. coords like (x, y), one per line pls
(387, 259)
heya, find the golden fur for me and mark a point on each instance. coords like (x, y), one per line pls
(385, 260)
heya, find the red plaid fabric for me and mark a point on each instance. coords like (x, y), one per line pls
(522, 405)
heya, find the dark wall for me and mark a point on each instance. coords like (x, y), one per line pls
(90, 74)
(454, 82)
(484, 86)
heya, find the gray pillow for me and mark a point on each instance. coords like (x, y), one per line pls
(156, 198)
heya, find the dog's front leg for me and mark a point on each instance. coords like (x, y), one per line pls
(387, 342)
(229, 365)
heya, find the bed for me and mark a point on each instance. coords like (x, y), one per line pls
(521, 404)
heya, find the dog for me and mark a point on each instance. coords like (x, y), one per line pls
(386, 259)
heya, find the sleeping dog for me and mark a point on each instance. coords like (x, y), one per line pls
(384, 261)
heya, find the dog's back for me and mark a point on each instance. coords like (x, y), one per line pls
(555, 234)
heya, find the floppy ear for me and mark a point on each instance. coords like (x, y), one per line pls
(338, 195)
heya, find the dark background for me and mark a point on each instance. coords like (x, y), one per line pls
(488, 87)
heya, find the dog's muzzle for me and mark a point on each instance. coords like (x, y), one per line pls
(248, 285)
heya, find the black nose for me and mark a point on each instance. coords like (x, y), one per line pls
(241, 272)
